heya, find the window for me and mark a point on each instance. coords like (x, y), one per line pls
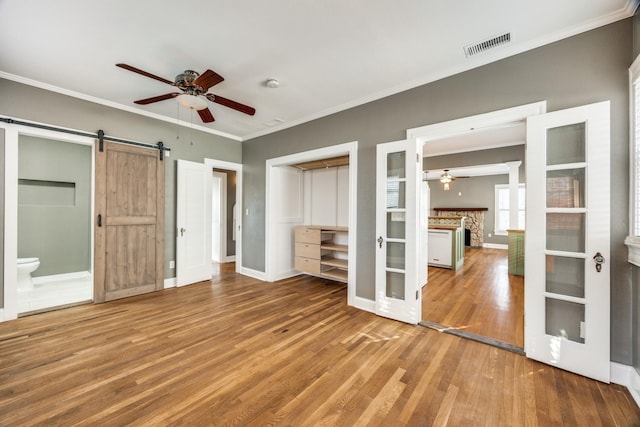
(501, 224)
(633, 241)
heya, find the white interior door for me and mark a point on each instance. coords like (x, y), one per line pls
(567, 315)
(399, 241)
(193, 245)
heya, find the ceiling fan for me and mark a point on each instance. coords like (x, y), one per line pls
(194, 87)
(446, 178)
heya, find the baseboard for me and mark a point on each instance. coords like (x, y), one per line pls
(260, 275)
(627, 376)
(61, 277)
(231, 258)
(495, 246)
(170, 282)
(364, 304)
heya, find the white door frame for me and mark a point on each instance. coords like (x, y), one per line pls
(11, 137)
(349, 148)
(424, 134)
(221, 206)
(237, 168)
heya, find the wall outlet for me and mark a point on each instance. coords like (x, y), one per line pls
(172, 264)
(489, 235)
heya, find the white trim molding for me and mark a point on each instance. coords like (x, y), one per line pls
(495, 246)
(633, 243)
(170, 282)
(260, 275)
(627, 376)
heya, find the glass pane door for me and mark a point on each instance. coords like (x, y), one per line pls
(565, 232)
(396, 225)
(567, 311)
(398, 174)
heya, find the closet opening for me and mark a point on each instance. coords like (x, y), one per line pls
(310, 215)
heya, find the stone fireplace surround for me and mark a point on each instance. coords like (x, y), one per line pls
(474, 221)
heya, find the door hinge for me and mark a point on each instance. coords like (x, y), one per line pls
(417, 294)
(101, 140)
(417, 157)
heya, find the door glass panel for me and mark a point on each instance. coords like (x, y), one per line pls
(565, 188)
(565, 232)
(564, 319)
(395, 194)
(396, 164)
(395, 285)
(565, 276)
(395, 255)
(396, 225)
(566, 144)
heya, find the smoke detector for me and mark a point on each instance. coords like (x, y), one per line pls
(272, 83)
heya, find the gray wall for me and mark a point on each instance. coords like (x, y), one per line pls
(54, 221)
(477, 192)
(29, 103)
(2, 219)
(587, 68)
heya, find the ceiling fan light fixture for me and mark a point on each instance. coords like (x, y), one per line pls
(446, 186)
(191, 102)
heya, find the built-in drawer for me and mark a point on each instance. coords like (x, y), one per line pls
(308, 250)
(307, 265)
(308, 235)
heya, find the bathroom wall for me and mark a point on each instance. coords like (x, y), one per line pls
(54, 205)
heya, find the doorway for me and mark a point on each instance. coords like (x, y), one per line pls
(283, 215)
(226, 220)
(39, 194)
(456, 292)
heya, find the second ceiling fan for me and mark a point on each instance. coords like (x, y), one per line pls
(195, 88)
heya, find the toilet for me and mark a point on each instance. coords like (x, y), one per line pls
(26, 266)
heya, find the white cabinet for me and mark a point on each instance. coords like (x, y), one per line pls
(440, 248)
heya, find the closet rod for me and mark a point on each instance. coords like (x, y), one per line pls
(80, 133)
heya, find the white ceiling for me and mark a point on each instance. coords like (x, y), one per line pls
(328, 55)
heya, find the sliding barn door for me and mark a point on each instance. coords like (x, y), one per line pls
(129, 236)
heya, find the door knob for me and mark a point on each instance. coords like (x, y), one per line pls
(380, 240)
(182, 230)
(599, 260)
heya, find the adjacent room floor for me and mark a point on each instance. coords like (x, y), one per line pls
(480, 297)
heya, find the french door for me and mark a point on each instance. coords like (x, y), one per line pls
(401, 259)
(567, 314)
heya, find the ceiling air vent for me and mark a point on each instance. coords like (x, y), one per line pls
(483, 46)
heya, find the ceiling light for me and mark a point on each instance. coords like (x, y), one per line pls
(192, 102)
(446, 186)
(272, 83)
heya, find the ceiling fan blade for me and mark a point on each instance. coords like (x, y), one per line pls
(208, 79)
(206, 115)
(231, 104)
(144, 73)
(156, 98)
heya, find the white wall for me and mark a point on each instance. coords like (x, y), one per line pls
(326, 200)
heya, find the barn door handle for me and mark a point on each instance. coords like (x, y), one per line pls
(99, 220)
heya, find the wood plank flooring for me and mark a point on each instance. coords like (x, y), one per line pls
(237, 351)
(480, 298)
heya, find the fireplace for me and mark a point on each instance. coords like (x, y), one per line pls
(474, 222)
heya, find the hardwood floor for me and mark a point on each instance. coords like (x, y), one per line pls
(480, 298)
(237, 351)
